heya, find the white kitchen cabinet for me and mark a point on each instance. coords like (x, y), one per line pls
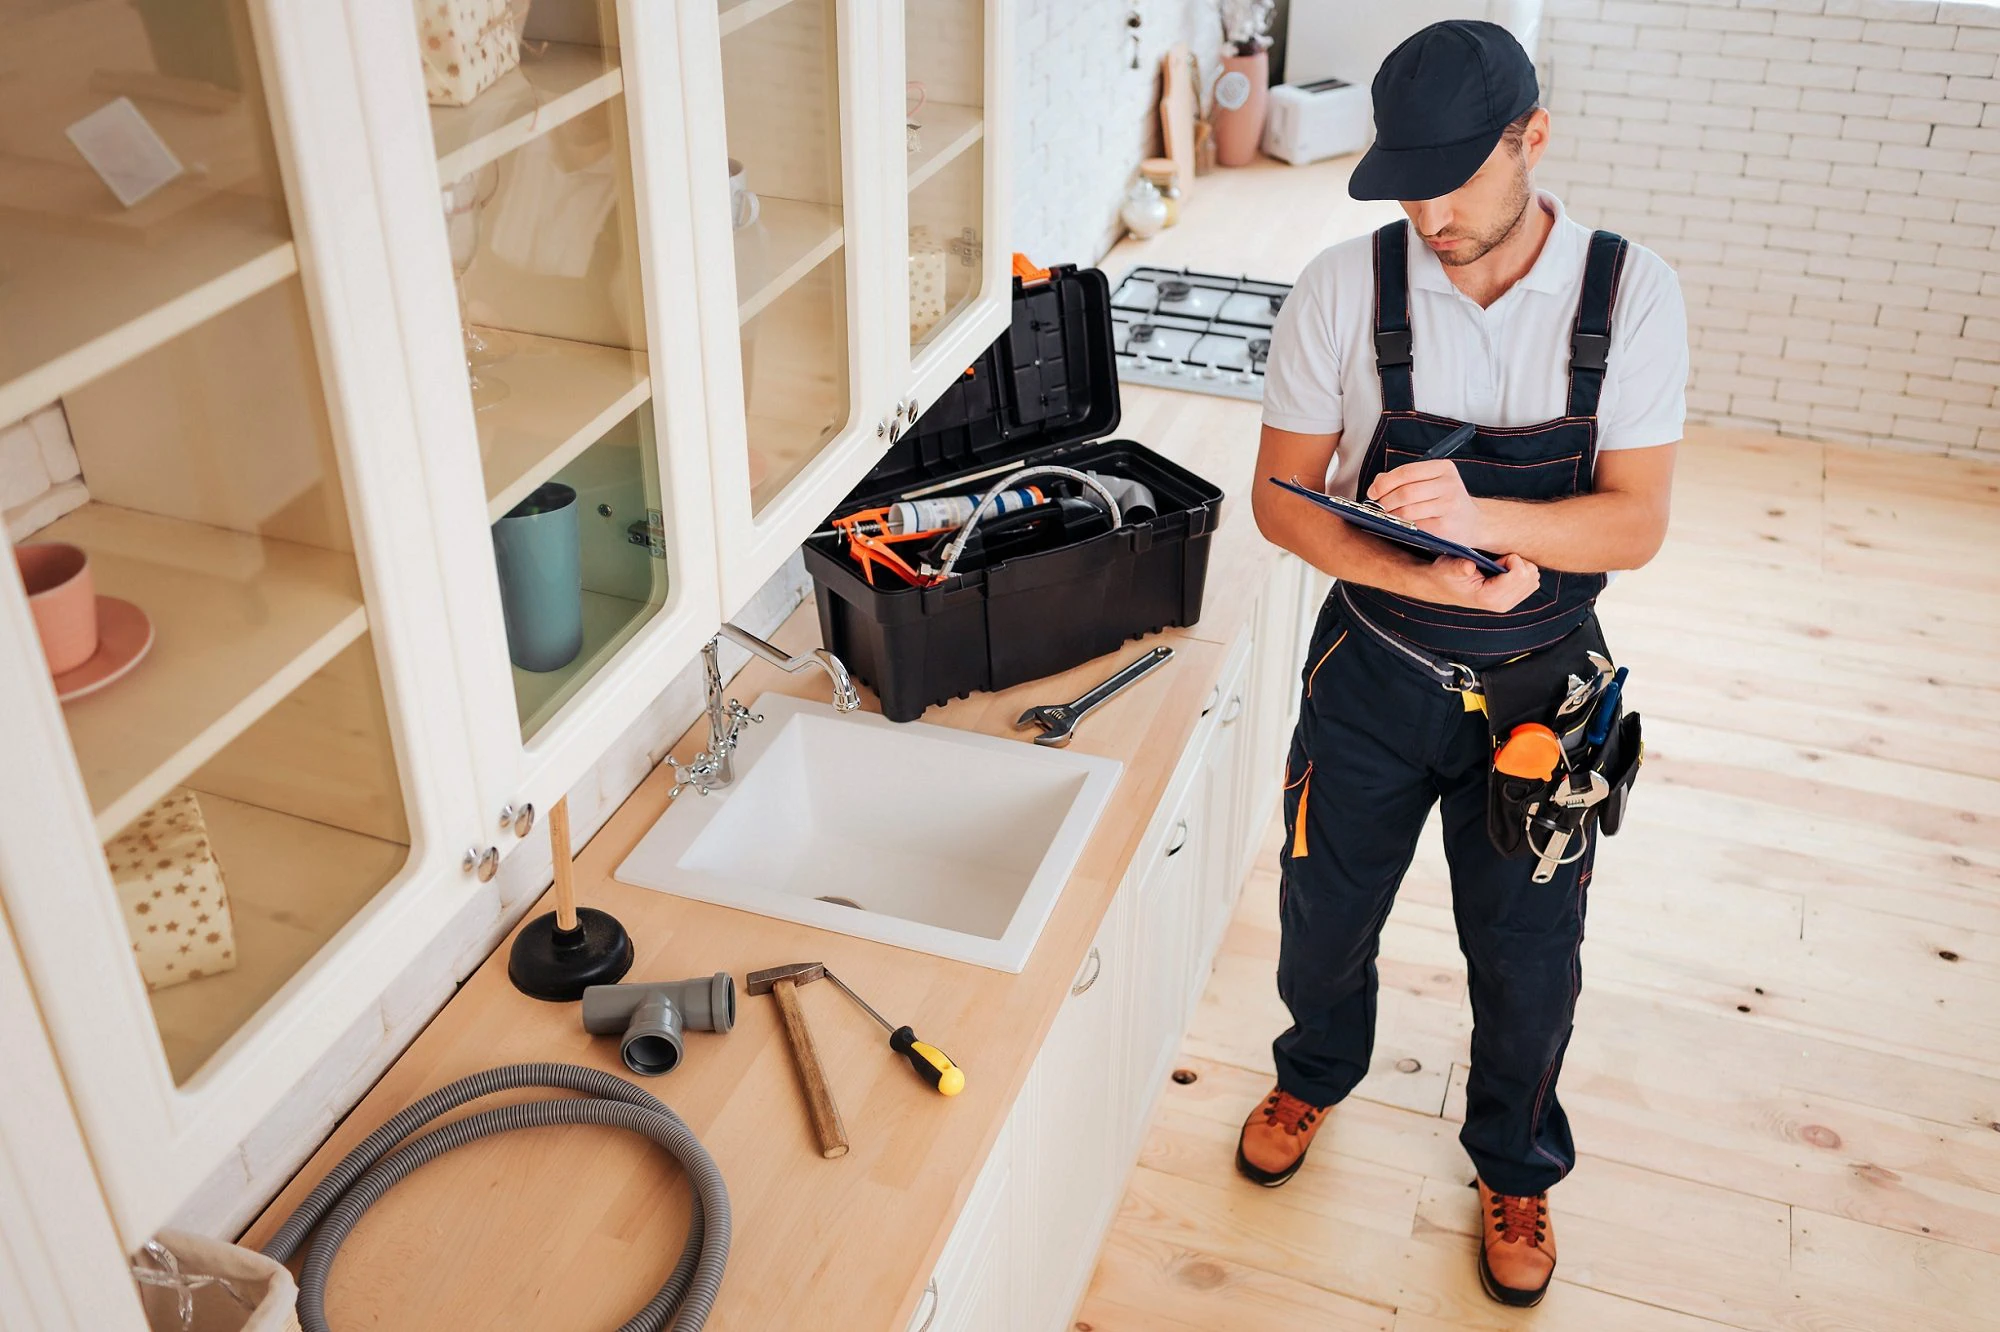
(545, 258)
(1229, 778)
(1078, 1124)
(970, 1291)
(813, 366)
(294, 458)
(1077, 1152)
(226, 354)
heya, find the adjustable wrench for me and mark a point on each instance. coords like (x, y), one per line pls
(1058, 720)
(1574, 803)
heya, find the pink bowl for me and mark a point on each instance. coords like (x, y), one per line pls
(63, 598)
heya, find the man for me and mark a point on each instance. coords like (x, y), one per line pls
(1569, 351)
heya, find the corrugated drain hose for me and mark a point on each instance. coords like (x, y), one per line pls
(383, 1158)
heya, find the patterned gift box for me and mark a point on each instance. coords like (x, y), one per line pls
(927, 277)
(170, 887)
(467, 45)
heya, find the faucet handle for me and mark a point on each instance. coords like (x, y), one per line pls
(694, 776)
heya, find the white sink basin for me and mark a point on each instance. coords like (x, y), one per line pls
(943, 841)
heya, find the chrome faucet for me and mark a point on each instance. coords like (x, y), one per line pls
(715, 767)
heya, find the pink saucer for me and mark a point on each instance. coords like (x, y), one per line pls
(124, 636)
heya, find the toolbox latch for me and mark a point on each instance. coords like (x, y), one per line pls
(1026, 270)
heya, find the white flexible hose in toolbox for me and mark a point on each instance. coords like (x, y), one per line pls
(383, 1158)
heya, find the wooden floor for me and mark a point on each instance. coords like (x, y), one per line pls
(1785, 1079)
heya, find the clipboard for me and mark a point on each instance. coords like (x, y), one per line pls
(1373, 519)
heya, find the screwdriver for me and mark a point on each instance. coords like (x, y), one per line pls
(932, 1064)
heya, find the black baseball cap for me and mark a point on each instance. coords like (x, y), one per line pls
(1442, 99)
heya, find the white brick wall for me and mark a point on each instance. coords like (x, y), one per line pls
(1825, 175)
(1085, 118)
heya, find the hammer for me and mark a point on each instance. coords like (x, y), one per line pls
(782, 983)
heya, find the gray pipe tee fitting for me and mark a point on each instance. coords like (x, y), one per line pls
(653, 1014)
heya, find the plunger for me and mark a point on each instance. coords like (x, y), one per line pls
(559, 955)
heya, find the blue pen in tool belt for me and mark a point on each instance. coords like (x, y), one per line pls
(1607, 708)
(1452, 443)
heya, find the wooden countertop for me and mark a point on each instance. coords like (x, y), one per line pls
(576, 1227)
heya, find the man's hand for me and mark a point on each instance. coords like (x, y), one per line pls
(1460, 583)
(1431, 495)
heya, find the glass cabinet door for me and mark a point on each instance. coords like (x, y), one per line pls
(788, 214)
(944, 151)
(181, 519)
(536, 184)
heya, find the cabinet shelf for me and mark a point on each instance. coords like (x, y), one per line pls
(292, 884)
(796, 238)
(947, 130)
(542, 92)
(562, 397)
(77, 302)
(608, 624)
(239, 621)
(739, 14)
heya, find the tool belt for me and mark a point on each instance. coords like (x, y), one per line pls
(1565, 751)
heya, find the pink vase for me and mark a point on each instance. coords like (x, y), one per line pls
(1239, 113)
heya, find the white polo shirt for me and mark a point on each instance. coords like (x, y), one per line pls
(1505, 365)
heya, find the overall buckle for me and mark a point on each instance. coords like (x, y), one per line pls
(1589, 351)
(1392, 348)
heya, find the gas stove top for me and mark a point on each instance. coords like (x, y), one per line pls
(1176, 328)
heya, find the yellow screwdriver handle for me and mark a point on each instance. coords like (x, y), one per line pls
(932, 1064)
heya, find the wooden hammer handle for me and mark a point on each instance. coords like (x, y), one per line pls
(819, 1098)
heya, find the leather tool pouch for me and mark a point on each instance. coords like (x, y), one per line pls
(1532, 689)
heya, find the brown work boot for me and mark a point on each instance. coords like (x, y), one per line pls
(1275, 1138)
(1517, 1247)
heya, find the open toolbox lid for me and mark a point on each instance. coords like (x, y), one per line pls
(1050, 380)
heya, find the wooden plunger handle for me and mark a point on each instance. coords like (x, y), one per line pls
(559, 848)
(819, 1098)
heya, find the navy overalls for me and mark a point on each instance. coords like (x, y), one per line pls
(1384, 733)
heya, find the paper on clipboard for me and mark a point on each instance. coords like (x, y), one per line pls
(1372, 518)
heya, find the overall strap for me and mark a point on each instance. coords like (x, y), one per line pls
(1590, 336)
(1392, 317)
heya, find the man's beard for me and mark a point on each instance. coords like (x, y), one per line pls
(1478, 247)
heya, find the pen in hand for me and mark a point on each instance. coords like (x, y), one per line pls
(1452, 443)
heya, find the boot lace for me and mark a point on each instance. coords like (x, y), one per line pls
(1521, 1219)
(1288, 1112)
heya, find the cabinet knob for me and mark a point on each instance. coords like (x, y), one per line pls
(1234, 710)
(881, 430)
(1214, 697)
(1180, 838)
(910, 410)
(1096, 963)
(895, 430)
(484, 863)
(518, 818)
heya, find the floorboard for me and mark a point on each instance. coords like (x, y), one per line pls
(1785, 1080)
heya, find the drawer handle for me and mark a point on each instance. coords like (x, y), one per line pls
(931, 1290)
(1234, 710)
(1180, 838)
(1096, 960)
(1214, 697)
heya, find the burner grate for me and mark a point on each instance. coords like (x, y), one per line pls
(1202, 332)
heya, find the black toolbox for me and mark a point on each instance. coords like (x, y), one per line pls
(1045, 392)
